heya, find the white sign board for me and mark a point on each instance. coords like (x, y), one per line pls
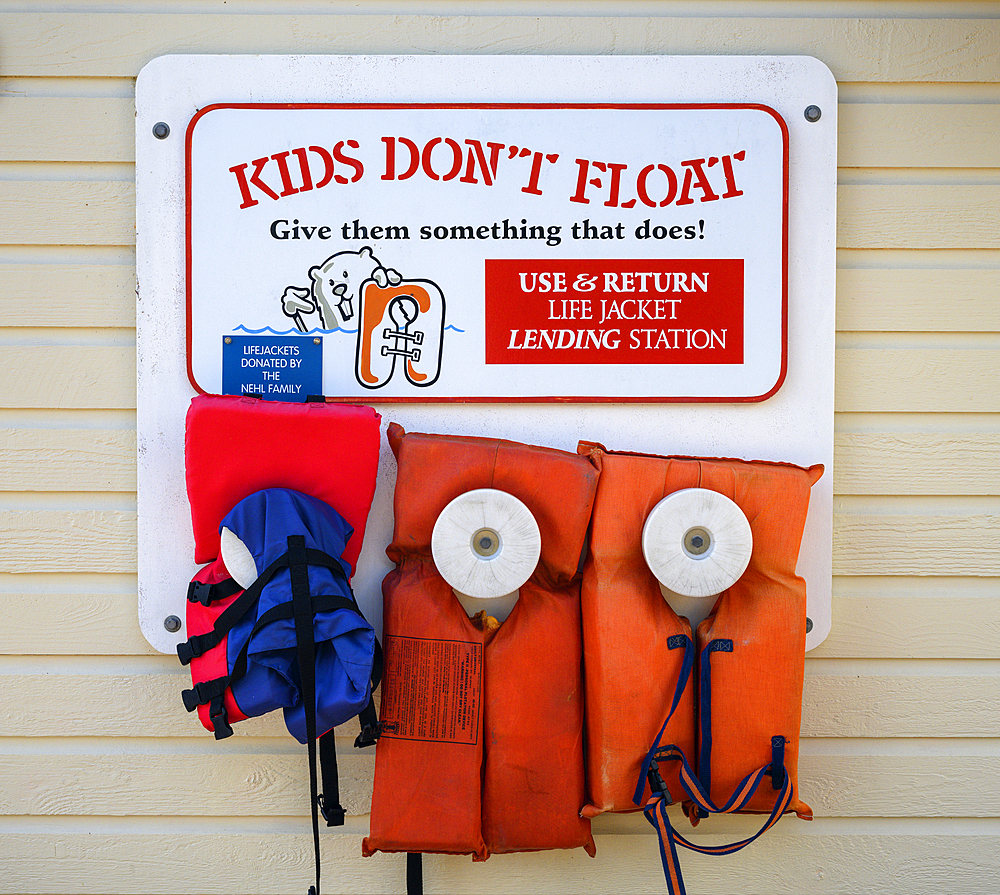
(220, 258)
(501, 252)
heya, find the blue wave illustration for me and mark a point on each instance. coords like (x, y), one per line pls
(293, 332)
(449, 326)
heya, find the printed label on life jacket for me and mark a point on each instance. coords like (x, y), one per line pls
(432, 690)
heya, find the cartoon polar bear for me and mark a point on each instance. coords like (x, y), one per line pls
(335, 288)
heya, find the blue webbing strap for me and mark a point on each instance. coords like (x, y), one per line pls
(675, 642)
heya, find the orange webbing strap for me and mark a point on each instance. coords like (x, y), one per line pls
(656, 809)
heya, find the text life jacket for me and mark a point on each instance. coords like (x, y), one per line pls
(747, 662)
(481, 747)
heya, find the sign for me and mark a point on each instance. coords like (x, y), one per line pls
(673, 216)
(626, 252)
(278, 369)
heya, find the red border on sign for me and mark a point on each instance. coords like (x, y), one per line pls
(516, 399)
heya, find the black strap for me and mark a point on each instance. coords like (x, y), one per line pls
(414, 873)
(200, 644)
(200, 592)
(305, 645)
(329, 800)
(217, 714)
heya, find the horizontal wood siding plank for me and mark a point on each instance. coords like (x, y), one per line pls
(863, 543)
(131, 705)
(898, 463)
(856, 49)
(918, 300)
(92, 624)
(67, 460)
(67, 129)
(866, 463)
(97, 295)
(941, 626)
(914, 380)
(796, 858)
(860, 704)
(67, 212)
(918, 135)
(918, 216)
(67, 541)
(932, 625)
(871, 134)
(276, 784)
(265, 784)
(69, 377)
(869, 380)
(902, 544)
(895, 705)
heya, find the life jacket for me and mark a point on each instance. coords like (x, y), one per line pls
(250, 650)
(740, 682)
(481, 748)
(244, 652)
(294, 639)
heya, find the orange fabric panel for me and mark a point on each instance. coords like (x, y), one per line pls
(533, 781)
(630, 670)
(556, 486)
(520, 786)
(756, 690)
(427, 794)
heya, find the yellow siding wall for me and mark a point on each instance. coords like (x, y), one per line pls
(106, 786)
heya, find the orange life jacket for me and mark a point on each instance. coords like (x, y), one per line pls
(748, 664)
(481, 748)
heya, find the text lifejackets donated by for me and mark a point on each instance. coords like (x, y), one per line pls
(713, 722)
(481, 746)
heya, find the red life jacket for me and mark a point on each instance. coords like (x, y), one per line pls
(481, 747)
(294, 469)
(235, 446)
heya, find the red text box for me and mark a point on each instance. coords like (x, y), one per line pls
(623, 311)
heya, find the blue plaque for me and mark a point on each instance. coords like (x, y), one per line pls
(278, 368)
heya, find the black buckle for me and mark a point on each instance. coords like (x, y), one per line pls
(334, 817)
(657, 785)
(185, 652)
(220, 724)
(191, 700)
(200, 592)
(368, 736)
